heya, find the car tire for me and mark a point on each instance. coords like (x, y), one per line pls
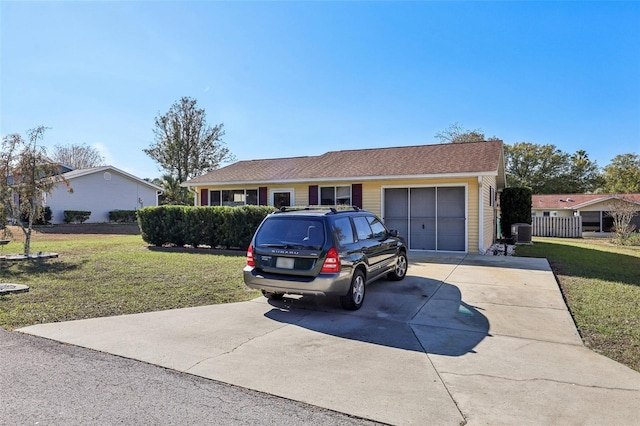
(400, 270)
(272, 296)
(355, 296)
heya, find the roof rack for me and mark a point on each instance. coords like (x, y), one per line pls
(331, 209)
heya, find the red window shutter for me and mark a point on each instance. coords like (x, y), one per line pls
(204, 197)
(356, 194)
(262, 196)
(313, 195)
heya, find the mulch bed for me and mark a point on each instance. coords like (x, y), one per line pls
(90, 228)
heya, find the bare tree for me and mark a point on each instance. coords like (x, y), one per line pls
(622, 210)
(78, 156)
(26, 175)
(455, 133)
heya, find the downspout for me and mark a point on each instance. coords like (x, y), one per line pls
(480, 217)
(196, 197)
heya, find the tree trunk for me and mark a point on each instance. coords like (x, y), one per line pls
(27, 231)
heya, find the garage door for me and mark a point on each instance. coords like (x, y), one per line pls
(432, 218)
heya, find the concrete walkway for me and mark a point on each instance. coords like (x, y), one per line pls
(475, 339)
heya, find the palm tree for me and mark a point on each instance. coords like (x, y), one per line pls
(173, 194)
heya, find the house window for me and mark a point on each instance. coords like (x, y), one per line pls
(214, 198)
(546, 214)
(282, 198)
(233, 197)
(492, 196)
(251, 197)
(335, 195)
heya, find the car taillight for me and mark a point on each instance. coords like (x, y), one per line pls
(332, 262)
(250, 260)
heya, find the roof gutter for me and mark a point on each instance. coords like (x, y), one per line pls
(342, 179)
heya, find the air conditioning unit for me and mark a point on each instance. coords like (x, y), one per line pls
(521, 233)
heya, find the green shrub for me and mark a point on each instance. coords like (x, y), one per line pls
(76, 216)
(632, 240)
(122, 216)
(44, 218)
(231, 227)
(515, 207)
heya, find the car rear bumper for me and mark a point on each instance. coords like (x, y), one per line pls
(322, 285)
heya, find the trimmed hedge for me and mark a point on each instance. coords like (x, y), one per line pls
(230, 227)
(73, 216)
(515, 207)
(122, 216)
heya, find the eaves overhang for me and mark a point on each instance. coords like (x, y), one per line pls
(342, 179)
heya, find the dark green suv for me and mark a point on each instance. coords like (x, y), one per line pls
(323, 252)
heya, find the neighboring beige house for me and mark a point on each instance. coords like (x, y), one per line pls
(592, 207)
(100, 190)
(439, 197)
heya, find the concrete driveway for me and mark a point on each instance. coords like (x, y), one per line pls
(475, 339)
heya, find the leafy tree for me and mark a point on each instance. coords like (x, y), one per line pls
(622, 175)
(185, 146)
(78, 156)
(539, 167)
(26, 175)
(584, 175)
(455, 133)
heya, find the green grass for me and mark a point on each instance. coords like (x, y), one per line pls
(601, 284)
(105, 275)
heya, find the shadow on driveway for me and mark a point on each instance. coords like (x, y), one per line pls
(416, 314)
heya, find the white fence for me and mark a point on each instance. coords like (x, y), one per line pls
(568, 227)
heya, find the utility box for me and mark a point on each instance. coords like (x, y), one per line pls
(521, 233)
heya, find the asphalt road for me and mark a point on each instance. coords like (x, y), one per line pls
(43, 382)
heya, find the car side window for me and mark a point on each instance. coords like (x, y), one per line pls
(343, 231)
(379, 231)
(363, 230)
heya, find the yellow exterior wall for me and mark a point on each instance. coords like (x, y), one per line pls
(488, 211)
(372, 193)
(372, 200)
(300, 191)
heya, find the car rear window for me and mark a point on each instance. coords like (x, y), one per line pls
(291, 232)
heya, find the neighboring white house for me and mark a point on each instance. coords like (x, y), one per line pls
(593, 208)
(100, 190)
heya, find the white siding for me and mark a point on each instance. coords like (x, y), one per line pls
(98, 195)
(553, 213)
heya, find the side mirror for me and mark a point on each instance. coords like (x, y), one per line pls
(393, 232)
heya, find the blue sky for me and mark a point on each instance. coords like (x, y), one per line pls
(303, 78)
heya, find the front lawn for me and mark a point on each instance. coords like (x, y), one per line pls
(601, 284)
(104, 275)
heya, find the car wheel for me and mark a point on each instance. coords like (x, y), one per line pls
(400, 270)
(272, 296)
(355, 296)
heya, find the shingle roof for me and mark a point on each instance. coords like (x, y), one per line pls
(574, 201)
(73, 174)
(420, 160)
